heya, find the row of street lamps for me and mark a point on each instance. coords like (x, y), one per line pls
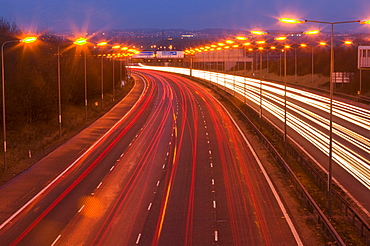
(260, 45)
(330, 167)
(229, 44)
(125, 52)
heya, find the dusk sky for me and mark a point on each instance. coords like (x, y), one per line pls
(187, 14)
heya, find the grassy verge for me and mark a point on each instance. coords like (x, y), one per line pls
(28, 143)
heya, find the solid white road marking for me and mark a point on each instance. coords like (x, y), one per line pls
(81, 208)
(56, 240)
(138, 238)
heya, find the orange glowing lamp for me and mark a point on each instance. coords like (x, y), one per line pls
(280, 38)
(365, 22)
(28, 40)
(102, 43)
(258, 32)
(241, 38)
(312, 32)
(291, 20)
(80, 41)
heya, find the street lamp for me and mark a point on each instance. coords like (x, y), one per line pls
(81, 42)
(101, 45)
(286, 47)
(349, 42)
(303, 45)
(113, 79)
(26, 40)
(267, 59)
(260, 60)
(59, 97)
(259, 32)
(113, 91)
(330, 173)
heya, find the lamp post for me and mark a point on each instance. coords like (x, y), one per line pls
(286, 47)
(81, 42)
(101, 45)
(268, 64)
(330, 171)
(25, 40)
(113, 79)
(59, 97)
(260, 50)
(113, 89)
(303, 45)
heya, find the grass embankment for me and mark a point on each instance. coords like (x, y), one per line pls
(31, 141)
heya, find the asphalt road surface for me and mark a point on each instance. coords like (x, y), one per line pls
(174, 170)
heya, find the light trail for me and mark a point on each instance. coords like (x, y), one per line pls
(307, 114)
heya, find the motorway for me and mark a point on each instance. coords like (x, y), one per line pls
(174, 170)
(307, 121)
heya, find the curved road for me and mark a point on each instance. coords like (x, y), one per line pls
(307, 124)
(175, 170)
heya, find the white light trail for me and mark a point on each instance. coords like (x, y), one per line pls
(307, 114)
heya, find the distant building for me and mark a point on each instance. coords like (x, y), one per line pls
(187, 36)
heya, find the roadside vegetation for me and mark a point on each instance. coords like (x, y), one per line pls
(31, 93)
